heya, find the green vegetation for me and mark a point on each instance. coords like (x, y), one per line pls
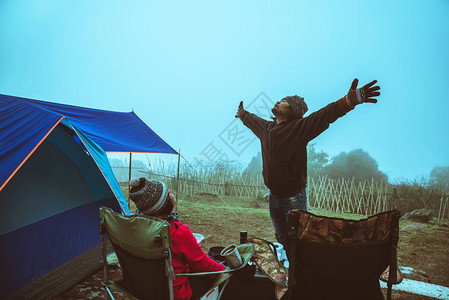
(349, 182)
(423, 248)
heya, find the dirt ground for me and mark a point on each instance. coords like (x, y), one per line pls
(426, 249)
(423, 247)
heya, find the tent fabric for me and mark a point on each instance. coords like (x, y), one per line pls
(102, 162)
(22, 128)
(49, 208)
(25, 122)
(34, 250)
(56, 178)
(54, 175)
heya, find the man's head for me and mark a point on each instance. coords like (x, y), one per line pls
(289, 108)
(151, 197)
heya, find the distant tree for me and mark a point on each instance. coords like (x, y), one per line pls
(115, 162)
(316, 161)
(139, 164)
(439, 178)
(255, 165)
(356, 164)
(223, 167)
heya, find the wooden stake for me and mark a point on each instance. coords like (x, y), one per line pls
(177, 176)
(129, 178)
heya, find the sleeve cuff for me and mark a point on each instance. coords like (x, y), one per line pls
(344, 105)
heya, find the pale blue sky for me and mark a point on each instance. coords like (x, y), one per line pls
(184, 67)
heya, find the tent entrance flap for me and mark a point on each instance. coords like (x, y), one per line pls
(57, 177)
(101, 160)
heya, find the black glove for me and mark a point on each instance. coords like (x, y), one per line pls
(358, 96)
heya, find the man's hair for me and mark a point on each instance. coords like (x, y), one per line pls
(297, 105)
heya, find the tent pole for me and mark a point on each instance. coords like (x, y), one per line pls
(129, 179)
(177, 177)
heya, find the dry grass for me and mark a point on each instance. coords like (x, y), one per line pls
(211, 217)
(425, 249)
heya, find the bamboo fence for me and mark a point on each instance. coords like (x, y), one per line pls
(340, 195)
(344, 196)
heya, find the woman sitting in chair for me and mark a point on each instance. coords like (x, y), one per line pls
(152, 198)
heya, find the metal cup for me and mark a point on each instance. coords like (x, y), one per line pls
(232, 256)
(214, 253)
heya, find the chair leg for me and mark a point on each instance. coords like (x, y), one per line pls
(292, 268)
(105, 281)
(169, 272)
(105, 263)
(389, 286)
(223, 288)
(170, 288)
(108, 293)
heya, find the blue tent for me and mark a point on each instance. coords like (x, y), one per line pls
(54, 174)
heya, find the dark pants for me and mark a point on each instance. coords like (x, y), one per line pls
(279, 207)
(200, 285)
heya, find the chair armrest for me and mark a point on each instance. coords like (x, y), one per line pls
(245, 250)
(206, 273)
(223, 276)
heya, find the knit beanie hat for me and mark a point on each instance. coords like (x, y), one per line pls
(298, 105)
(150, 196)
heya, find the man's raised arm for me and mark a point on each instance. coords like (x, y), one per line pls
(253, 122)
(320, 120)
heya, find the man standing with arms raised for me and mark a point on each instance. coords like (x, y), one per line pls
(284, 141)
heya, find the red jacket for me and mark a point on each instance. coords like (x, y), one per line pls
(188, 257)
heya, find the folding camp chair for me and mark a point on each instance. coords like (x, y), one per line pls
(143, 248)
(334, 258)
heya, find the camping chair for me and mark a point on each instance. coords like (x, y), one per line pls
(143, 248)
(334, 258)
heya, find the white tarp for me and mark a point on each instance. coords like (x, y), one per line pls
(420, 288)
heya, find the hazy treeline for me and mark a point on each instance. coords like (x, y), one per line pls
(356, 164)
(121, 169)
(355, 168)
(431, 192)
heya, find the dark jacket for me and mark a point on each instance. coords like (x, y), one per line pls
(284, 145)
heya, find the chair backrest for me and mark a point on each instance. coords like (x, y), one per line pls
(142, 245)
(333, 258)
